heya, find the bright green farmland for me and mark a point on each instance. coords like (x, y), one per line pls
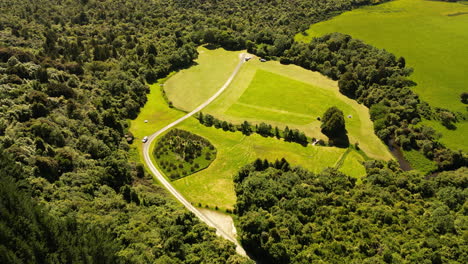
(214, 185)
(431, 35)
(279, 95)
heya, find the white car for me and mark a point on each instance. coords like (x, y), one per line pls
(145, 139)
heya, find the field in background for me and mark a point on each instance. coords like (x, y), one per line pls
(433, 38)
(279, 95)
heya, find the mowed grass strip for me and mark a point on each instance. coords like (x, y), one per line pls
(214, 185)
(283, 95)
(432, 38)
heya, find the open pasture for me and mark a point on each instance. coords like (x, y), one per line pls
(280, 95)
(433, 38)
(214, 186)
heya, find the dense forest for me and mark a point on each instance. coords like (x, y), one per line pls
(71, 75)
(290, 215)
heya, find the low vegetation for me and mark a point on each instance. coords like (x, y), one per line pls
(214, 185)
(180, 153)
(290, 215)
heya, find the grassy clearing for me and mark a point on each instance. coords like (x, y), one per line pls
(158, 115)
(419, 162)
(279, 95)
(214, 185)
(191, 87)
(429, 34)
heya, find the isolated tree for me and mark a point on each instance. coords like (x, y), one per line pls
(333, 123)
(333, 126)
(464, 97)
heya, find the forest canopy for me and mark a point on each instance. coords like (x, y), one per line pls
(73, 72)
(290, 215)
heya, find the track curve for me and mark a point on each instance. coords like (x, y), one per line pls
(168, 185)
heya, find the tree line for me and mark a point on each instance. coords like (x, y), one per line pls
(263, 129)
(379, 80)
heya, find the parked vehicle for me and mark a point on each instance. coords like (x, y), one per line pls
(145, 139)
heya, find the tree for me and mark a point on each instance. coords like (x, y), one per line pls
(333, 126)
(348, 84)
(464, 97)
(246, 128)
(447, 119)
(333, 123)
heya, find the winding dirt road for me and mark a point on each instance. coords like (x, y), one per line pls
(167, 184)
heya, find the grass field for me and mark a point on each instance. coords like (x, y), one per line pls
(190, 87)
(279, 95)
(158, 115)
(214, 186)
(431, 35)
(352, 165)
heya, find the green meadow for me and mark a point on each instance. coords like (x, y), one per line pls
(213, 186)
(433, 38)
(191, 87)
(280, 95)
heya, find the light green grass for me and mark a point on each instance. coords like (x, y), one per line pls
(190, 87)
(455, 139)
(279, 95)
(433, 43)
(352, 165)
(214, 185)
(158, 115)
(419, 162)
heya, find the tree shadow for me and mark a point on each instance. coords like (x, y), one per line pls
(450, 126)
(211, 46)
(341, 140)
